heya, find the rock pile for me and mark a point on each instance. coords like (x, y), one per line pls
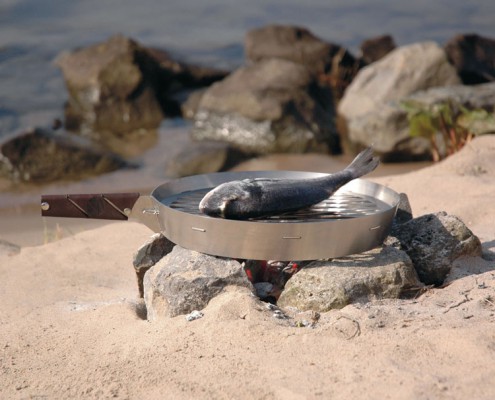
(296, 93)
(418, 252)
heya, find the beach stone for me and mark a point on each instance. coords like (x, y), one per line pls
(181, 75)
(9, 249)
(294, 43)
(434, 242)
(148, 255)
(388, 126)
(473, 56)
(185, 280)
(380, 273)
(405, 70)
(370, 105)
(190, 106)
(271, 106)
(197, 158)
(43, 155)
(112, 92)
(376, 48)
(333, 65)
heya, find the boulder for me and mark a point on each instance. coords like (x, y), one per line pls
(148, 255)
(473, 56)
(380, 273)
(370, 103)
(271, 106)
(112, 91)
(376, 48)
(387, 128)
(190, 106)
(43, 155)
(434, 242)
(184, 76)
(185, 280)
(197, 158)
(119, 91)
(295, 44)
(333, 65)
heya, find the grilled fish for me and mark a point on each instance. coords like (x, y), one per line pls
(261, 197)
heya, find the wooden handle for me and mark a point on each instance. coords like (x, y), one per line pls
(116, 206)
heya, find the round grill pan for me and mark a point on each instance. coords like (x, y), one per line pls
(356, 218)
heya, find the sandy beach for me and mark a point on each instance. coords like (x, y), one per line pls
(72, 325)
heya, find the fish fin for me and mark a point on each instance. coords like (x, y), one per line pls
(363, 164)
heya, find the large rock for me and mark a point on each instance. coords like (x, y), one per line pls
(271, 106)
(148, 255)
(331, 63)
(473, 56)
(294, 43)
(42, 156)
(112, 91)
(186, 280)
(433, 242)
(387, 128)
(370, 101)
(374, 49)
(183, 76)
(377, 274)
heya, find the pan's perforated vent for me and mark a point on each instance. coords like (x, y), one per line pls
(339, 206)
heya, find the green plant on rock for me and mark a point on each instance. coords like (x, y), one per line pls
(448, 125)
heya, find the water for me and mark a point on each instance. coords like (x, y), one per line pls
(34, 32)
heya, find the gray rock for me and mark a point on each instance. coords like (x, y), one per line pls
(194, 316)
(42, 156)
(333, 65)
(148, 255)
(271, 106)
(473, 56)
(387, 128)
(478, 96)
(263, 289)
(295, 44)
(374, 49)
(189, 107)
(112, 93)
(433, 242)
(324, 285)
(197, 158)
(9, 249)
(186, 280)
(177, 75)
(370, 103)
(403, 71)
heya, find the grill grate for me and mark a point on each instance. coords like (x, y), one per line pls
(342, 205)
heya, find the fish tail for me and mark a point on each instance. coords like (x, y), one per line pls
(363, 164)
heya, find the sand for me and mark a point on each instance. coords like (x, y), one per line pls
(71, 324)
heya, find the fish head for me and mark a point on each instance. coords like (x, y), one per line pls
(226, 200)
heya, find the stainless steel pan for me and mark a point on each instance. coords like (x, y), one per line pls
(355, 219)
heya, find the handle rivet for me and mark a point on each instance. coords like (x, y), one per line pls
(45, 206)
(127, 211)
